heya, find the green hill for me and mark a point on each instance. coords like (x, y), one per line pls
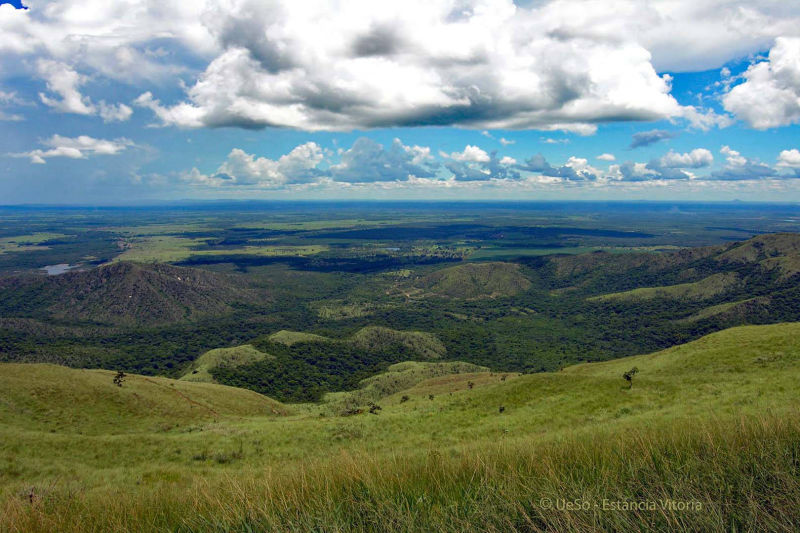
(398, 378)
(712, 421)
(475, 280)
(291, 337)
(232, 357)
(129, 294)
(739, 310)
(372, 338)
(56, 399)
(698, 290)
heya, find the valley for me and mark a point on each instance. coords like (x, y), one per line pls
(258, 370)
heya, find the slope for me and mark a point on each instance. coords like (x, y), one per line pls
(713, 420)
(128, 294)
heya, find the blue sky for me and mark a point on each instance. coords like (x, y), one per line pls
(137, 100)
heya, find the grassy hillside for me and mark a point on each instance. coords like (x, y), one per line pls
(425, 345)
(732, 310)
(58, 400)
(699, 290)
(402, 377)
(713, 421)
(200, 370)
(475, 280)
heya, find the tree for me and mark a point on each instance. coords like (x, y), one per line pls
(119, 378)
(628, 376)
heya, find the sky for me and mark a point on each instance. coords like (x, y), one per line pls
(140, 101)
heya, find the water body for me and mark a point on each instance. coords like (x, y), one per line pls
(55, 270)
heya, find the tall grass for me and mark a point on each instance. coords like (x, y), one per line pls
(744, 474)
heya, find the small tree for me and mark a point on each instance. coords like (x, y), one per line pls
(470, 384)
(404, 399)
(119, 378)
(502, 408)
(628, 376)
(374, 408)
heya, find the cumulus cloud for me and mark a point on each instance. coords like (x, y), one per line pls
(631, 171)
(481, 63)
(770, 95)
(646, 138)
(473, 154)
(368, 161)
(697, 158)
(790, 160)
(114, 112)
(80, 147)
(575, 169)
(243, 169)
(65, 82)
(739, 167)
(552, 65)
(606, 157)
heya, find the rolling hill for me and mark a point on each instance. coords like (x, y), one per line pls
(372, 338)
(128, 294)
(712, 421)
(200, 370)
(475, 280)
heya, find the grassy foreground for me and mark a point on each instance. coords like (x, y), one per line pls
(707, 439)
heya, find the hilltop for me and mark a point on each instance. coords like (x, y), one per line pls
(128, 294)
(475, 280)
(56, 399)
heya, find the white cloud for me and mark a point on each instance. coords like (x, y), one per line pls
(697, 158)
(297, 166)
(506, 160)
(789, 158)
(606, 157)
(366, 161)
(64, 82)
(733, 157)
(76, 148)
(506, 142)
(472, 154)
(739, 167)
(114, 112)
(770, 95)
(484, 64)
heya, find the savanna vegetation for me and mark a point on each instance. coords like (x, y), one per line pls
(346, 368)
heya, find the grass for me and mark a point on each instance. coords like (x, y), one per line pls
(402, 377)
(200, 371)
(291, 337)
(373, 338)
(475, 280)
(698, 290)
(168, 249)
(713, 421)
(727, 308)
(27, 243)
